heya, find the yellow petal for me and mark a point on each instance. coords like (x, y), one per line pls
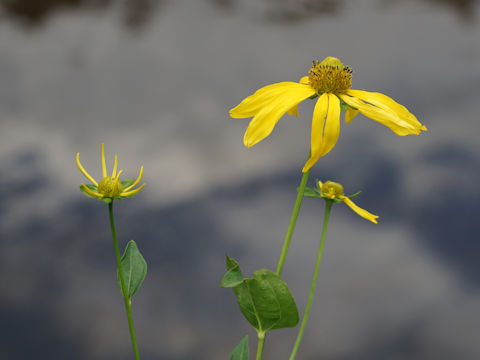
(304, 80)
(332, 126)
(140, 174)
(104, 167)
(293, 111)
(388, 104)
(265, 120)
(115, 163)
(251, 105)
(90, 192)
(128, 193)
(363, 213)
(318, 124)
(350, 114)
(117, 179)
(84, 172)
(390, 120)
(324, 132)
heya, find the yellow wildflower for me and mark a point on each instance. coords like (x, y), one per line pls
(334, 191)
(330, 80)
(110, 187)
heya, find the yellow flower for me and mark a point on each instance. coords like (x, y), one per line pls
(334, 191)
(110, 187)
(330, 80)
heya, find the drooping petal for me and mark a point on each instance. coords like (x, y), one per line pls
(388, 104)
(104, 166)
(90, 192)
(350, 114)
(140, 174)
(115, 163)
(324, 132)
(265, 120)
(251, 105)
(128, 193)
(363, 213)
(318, 124)
(332, 126)
(293, 111)
(390, 120)
(84, 172)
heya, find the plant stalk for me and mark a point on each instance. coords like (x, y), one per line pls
(328, 208)
(122, 283)
(261, 342)
(293, 221)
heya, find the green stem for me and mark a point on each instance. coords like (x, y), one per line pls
(293, 221)
(328, 207)
(122, 283)
(261, 342)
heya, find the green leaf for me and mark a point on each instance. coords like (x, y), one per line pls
(90, 187)
(134, 269)
(310, 193)
(274, 303)
(355, 195)
(233, 276)
(241, 351)
(106, 200)
(266, 301)
(130, 196)
(126, 183)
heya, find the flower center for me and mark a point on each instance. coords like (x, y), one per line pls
(110, 187)
(330, 76)
(332, 189)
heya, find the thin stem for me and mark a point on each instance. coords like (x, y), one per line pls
(261, 342)
(122, 283)
(328, 207)
(293, 221)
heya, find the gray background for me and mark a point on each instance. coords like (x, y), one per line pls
(154, 80)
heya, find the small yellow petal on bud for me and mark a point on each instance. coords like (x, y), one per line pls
(332, 189)
(110, 187)
(332, 61)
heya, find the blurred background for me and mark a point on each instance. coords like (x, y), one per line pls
(154, 81)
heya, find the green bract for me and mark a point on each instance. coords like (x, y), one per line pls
(317, 193)
(124, 183)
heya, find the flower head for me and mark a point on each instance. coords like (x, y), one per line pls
(333, 191)
(329, 80)
(110, 187)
